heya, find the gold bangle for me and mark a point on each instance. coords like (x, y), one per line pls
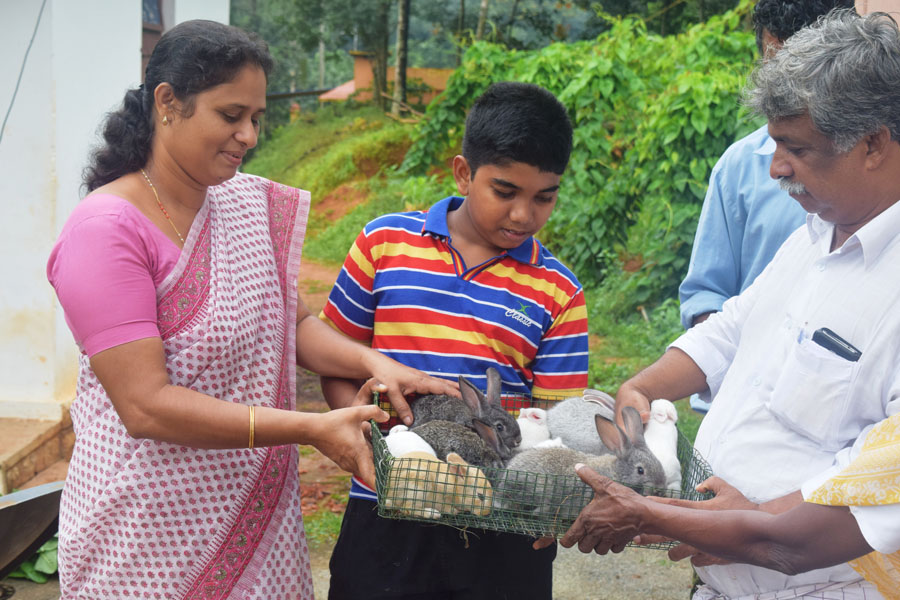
(252, 426)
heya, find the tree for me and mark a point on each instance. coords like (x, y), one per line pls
(482, 17)
(403, 7)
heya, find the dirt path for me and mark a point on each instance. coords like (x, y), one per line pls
(636, 573)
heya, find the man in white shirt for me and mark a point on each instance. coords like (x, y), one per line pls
(800, 363)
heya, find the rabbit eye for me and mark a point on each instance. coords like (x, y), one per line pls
(640, 470)
(500, 427)
(480, 497)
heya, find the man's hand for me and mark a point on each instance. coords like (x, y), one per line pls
(726, 497)
(610, 521)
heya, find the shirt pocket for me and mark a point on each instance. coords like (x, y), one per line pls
(812, 393)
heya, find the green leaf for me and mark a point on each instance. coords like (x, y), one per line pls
(47, 562)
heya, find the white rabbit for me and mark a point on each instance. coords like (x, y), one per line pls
(661, 437)
(534, 428)
(400, 440)
(552, 443)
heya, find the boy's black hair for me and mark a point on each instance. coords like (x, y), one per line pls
(518, 122)
(784, 18)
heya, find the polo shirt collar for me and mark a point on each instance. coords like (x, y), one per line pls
(527, 252)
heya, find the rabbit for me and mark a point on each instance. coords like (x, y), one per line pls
(630, 463)
(480, 447)
(424, 486)
(661, 437)
(551, 443)
(473, 405)
(573, 420)
(400, 440)
(533, 425)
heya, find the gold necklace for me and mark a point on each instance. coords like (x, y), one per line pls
(161, 207)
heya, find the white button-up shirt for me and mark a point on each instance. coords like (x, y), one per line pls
(783, 406)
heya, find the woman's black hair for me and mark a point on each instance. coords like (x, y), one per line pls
(192, 57)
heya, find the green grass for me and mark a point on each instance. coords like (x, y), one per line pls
(335, 145)
(391, 194)
(323, 526)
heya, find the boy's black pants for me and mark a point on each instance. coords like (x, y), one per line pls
(386, 558)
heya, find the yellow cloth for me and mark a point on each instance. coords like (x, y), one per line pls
(871, 479)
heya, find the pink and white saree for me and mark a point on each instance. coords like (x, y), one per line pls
(147, 519)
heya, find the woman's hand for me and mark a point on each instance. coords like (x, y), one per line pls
(341, 435)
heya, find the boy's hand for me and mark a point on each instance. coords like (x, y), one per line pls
(400, 381)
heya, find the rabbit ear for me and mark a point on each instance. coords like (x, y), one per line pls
(456, 465)
(634, 427)
(493, 386)
(488, 434)
(598, 397)
(471, 395)
(612, 436)
(453, 457)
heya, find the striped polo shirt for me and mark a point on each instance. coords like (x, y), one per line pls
(405, 290)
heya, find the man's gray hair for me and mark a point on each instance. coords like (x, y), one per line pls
(844, 71)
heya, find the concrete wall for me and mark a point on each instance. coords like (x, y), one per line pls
(84, 56)
(78, 68)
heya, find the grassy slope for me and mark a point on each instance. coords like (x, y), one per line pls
(341, 150)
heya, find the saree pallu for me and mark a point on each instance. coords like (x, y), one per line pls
(147, 519)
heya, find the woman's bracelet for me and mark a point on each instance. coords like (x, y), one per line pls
(252, 426)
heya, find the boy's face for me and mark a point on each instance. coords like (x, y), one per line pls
(505, 205)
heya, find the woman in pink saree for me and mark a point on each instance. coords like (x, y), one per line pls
(178, 279)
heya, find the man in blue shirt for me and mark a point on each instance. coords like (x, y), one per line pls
(746, 216)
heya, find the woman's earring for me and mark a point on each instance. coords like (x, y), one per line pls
(165, 120)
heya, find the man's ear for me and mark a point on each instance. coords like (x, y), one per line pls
(462, 174)
(877, 146)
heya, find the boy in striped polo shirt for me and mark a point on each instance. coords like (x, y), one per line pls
(452, 291)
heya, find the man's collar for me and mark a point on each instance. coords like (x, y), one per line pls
(873, 237)
(528, 252)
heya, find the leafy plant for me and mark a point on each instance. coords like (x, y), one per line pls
(652, 114)
(42, 564)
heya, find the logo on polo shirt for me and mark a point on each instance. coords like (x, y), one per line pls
(520, 314)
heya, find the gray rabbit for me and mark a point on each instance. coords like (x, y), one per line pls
(480, 447)
(631, 463)
(472, 405)
(573, 420)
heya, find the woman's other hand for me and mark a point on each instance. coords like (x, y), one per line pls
(341, 435)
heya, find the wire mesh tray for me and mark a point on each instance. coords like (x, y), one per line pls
(504, 500)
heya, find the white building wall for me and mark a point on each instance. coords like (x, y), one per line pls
(85, 55)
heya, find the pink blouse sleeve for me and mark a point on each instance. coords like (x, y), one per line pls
(105, 268)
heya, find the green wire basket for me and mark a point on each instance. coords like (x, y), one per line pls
(534, 504)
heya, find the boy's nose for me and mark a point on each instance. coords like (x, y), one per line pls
(520, 212)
